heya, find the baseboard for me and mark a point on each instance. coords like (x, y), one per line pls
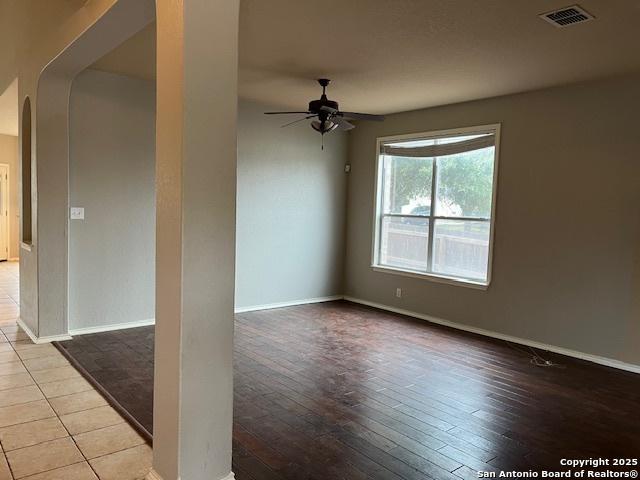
(39, 340)
(305, 301)
(14, 259)
(609, 362)
(111, 327)
(153, 475)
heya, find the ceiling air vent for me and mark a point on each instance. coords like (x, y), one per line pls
(567, 16)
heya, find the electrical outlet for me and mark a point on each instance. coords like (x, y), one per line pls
(399, 292)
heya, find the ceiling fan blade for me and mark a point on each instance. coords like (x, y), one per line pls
(299, 120)
(284, 113)
(342, 123)
(362, 116)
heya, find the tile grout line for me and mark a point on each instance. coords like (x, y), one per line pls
(56, 416)
(115, 404)
(86, 460)
(4, 453)
(9, 323)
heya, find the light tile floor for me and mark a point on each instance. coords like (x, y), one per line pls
(53, 424)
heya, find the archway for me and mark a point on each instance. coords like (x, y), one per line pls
(121, 21)
(27, 227)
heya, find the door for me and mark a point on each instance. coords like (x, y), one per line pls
(4, 212)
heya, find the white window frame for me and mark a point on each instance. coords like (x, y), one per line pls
(378, 214)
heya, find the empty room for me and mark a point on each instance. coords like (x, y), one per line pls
(351, 240)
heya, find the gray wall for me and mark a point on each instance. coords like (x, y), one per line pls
(290, 210)
(112, 175)
(567, 231)
(567, 242)
(290, 205)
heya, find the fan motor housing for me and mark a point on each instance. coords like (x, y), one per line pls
(316, 105)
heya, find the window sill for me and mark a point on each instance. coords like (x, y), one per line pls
(431, 277)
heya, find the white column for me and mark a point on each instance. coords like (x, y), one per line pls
(196, 193)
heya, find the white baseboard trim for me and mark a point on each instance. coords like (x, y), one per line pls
(305, 301)
(609, 362)
(39, 340)
(111, 327)
(153, 475)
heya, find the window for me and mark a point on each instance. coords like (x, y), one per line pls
(435, 201)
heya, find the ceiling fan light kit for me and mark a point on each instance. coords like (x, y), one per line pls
(327, 114)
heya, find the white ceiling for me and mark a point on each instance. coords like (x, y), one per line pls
(395, 55)
(9, 110)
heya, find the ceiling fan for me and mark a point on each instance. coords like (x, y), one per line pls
(327, 114)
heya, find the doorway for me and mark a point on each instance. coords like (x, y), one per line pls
(4, 212)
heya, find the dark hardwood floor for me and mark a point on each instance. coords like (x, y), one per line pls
(342, 391)
(120, 365)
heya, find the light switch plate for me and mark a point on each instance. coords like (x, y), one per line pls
(77, 213)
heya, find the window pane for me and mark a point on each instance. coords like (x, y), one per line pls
(404, 242)
(407, 185)
(465, 183)
(461, 248)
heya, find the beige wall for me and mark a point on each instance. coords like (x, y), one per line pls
(196, 149)
(567, 231)
(9, 155)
